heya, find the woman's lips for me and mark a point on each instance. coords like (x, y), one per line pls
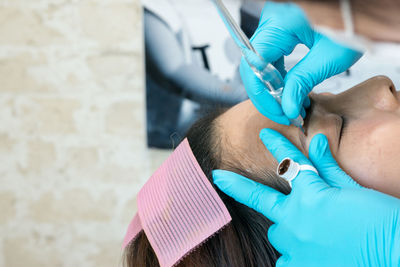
(309, 114)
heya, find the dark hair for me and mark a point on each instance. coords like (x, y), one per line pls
(243, 242)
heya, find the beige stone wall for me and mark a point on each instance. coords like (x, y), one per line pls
(72, 138)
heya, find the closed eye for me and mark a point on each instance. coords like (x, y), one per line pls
(343, 128)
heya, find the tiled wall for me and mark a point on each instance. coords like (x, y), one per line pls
(72, 138)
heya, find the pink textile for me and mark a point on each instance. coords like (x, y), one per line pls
(178, 208)
(133, 229)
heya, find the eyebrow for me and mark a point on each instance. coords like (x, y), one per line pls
(309, 112)
(342, 126)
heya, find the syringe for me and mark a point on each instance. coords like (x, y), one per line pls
(266, 72)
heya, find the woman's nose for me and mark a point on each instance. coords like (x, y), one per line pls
(382, 82)
(382, 93)
(375, 93)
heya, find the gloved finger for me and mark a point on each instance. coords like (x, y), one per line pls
(292, 21)
(303, 113)
(257, 196)
(283, 261)
(315, 67)
(306, 102)
(320, 154)
(282, 148)
(273, 237)
(280, 66)
(272, 43)
(278, 32)
(260, 97)
(294, 94)
(278, 238)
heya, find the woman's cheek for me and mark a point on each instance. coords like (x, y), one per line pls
(371, 159)
(386, 154)
(352, 158)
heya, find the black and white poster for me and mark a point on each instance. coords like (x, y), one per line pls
(191, 63)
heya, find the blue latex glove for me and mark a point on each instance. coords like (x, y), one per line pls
(328, 221)
(283, 26)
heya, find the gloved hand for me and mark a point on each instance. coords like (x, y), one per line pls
(324, 221)
(282, 26)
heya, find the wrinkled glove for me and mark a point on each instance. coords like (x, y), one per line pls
(283, 26)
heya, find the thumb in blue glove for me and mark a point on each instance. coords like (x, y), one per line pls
(283, 26)
(326, 220)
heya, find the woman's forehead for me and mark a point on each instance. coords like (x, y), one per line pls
(241, 125)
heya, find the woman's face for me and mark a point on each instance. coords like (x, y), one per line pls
(362, 125)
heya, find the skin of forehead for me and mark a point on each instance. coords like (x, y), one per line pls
(241, 126)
